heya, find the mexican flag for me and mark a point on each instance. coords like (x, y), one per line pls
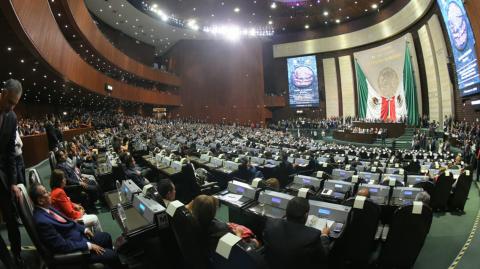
(402, 103)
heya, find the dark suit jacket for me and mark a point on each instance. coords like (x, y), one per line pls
(8, 171)
(59, 237)
(293, 245)
(131, 173)
(70, 174)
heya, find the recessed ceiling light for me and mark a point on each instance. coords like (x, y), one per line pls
(307, 26)
(9, 49)
(237, 9)
(273, 5)
(374, 6)
(325, 13)
(270, 22)
(337, 20)
(101, 10)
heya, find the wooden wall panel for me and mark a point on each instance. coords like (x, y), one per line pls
(331, 87)
(44, 39)
(348, 87)
(80, 17)
(221, 81)
(473, 11)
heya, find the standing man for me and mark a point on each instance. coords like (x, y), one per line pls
(9, 192)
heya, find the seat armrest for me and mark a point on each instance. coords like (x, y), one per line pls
(74, 257)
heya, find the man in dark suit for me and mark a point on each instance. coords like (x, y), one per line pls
(11, 93)
(74, 177)
(63, 235)
(291, 244)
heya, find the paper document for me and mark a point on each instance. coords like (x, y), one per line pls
(232, 198)
(318, 223)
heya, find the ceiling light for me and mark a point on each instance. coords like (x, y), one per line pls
(374, 6)
(9, 49)
(270, 22)
(273, 5)
(337, 20)
(237, 9)
(22, 61)
(307, 26)
(325, 13)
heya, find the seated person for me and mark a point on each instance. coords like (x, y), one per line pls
(363, 192)
(271, 184)
(133, 172)
(78, 161)
(291, 244)
(284, 170)
(204, 209)
(423, 197)
(246, 172)
(166, 190)
(74, 177)
(62, 235)
(62, 203)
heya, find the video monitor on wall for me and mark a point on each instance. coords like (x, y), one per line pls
(303, 82)
(463, 46)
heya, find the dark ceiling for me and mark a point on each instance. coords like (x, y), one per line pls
(287, 16)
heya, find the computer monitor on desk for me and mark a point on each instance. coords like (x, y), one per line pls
(404, 195)
(341, 174)
(338, 186)
(333, 215)
(151, 210)
(399, 178)
(369, 177)
(414, 179)
(257, 160)
(238, 194)
(129, 189)
(378, 193)
(271, 204)
(301, 181)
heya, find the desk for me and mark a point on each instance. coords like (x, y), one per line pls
(355, 137)
(394, 130)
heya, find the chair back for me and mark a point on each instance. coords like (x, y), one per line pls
(406, 237)
(427, 186)
(441, 192)
(239, 258)
(52, 160)
(361, 226)
(32, 177)
(460, 194)
(188, 235)
(25, 210)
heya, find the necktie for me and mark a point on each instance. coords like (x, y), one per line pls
(57, 217)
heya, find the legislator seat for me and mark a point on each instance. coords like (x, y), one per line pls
(460, 193)
(408, 230)
(354, 247)
(240, 257)
(187, 233)
(78, 259)
(441, 192)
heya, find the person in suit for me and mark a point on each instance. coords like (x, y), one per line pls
(291, 244)
(166, 190)
(11, 93)
(134, 173)
(53, 140)
(246, 172)
(63, 235)
(62, 203)
(74, 177)
(284, 170)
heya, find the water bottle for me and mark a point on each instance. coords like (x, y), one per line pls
(121, 214)
(119, 190)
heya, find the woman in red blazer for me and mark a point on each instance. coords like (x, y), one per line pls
(62, 203)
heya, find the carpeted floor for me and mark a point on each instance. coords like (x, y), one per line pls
(447, 236)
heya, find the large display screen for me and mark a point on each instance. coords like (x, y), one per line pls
(303, 82)
(463, 45)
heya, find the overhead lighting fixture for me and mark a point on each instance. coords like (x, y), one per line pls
(374, 6)
(273, 5)
(236, 10)
(337, 20)
(325, 13)
(307, 26)
(9, 49)
(270, 22)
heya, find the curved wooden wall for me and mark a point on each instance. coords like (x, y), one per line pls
(35, 25)
(78, 13)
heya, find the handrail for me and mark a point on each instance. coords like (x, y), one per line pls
(35, 25)
(79, 16)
